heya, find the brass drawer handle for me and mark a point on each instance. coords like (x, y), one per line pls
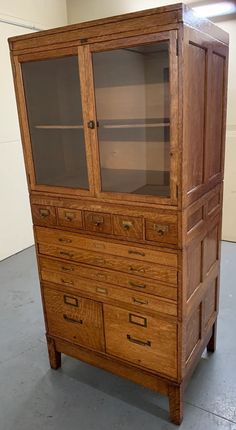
(67, 269)
(161, 229)
(136, 269)
(127, 225)
(101, 290)
(67, 282)
(69, 216)
(44, 212)
(98, 223)
(72, 320)
(62, 239)
(139, 341)
(140, 302)
(133, 284)
(131, 251)
(66, 254)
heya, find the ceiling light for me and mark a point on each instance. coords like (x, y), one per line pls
(215, 9)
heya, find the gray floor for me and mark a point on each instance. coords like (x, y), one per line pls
(81, 397)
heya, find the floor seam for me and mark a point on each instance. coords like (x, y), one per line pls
(210, 412)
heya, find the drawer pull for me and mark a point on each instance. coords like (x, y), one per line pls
(133, 284)
(161, 229)
(140, 302)
(72, 301)
(101, 290)
(67, 269)
(62, 239)
(69, 216)
(72, 320)
(97, 223)
(67, 282)
(101, 276)
(66, 254)
(136, 269)
(127, 225)
(131, 251)
(138, 341)
(44, 212)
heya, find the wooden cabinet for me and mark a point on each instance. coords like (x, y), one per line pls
(123, 124)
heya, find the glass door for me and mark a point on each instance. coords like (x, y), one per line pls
(135, 124)
(53, 99)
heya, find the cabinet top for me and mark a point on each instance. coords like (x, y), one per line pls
(170, 17)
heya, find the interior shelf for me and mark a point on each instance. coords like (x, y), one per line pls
(113, 124)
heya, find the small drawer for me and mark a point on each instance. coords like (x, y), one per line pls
(44, 215)
(69, 218)
(99, 222)
(162, 229)
(144, 340)
(74, 318)
(128, 226)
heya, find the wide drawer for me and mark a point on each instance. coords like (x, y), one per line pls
(144, 340)
(110, 276)
(105, 291)
(147, 270)
(75, 240)
(76, 319)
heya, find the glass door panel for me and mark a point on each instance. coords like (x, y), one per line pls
(53, 102)
(133, 112)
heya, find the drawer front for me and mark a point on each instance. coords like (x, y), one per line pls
(162, 273)
(44, 215)
(51, 236)
(99, 222)
(74, 318)
(147, 341)
(111, 277)
(69, 218)
(162, 229)
(127, 226)
(105, 291)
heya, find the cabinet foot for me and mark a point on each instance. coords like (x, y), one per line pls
(53, 354)
(211, 346)
(176, 403)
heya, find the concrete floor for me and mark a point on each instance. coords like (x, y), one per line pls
(81, 397)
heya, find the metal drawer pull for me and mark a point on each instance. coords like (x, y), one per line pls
(161, 229)
(72, 320)
(133, 284)
(101, 290)
(62, 239)
(136, 269)
(69, 216)
(131, 251)
(138, 341)
(67, 269)
(67, 254)
(44, 212)
(140, 302)
(67, 282)
(72, 301)
(127, 225)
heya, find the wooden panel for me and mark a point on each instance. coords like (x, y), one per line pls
(210, 303)
(74, 318)
(194, 268)
(162, 229)
(161, 273)
(194, 114)
(214, 137)
(50, 236)
(44, 215)
(127, 226)
(99, 222)
(193, 332)
(210, 249)
(195, 218)
(146, 345)
(109, 276)
(104, 292)
(69, 218)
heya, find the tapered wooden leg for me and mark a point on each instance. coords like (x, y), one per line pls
(53, 354)
(211, 346)
(176, 403)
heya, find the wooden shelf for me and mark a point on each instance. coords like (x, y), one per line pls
(107, 126)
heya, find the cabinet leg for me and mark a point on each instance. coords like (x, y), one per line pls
(211, 346)
(176, 403)
(53, 354)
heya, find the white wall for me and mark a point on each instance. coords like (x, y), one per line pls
(15, 219)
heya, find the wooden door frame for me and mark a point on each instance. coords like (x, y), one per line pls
(171, 37)
(24, 125)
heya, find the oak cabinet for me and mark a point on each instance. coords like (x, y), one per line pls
(123, 123)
